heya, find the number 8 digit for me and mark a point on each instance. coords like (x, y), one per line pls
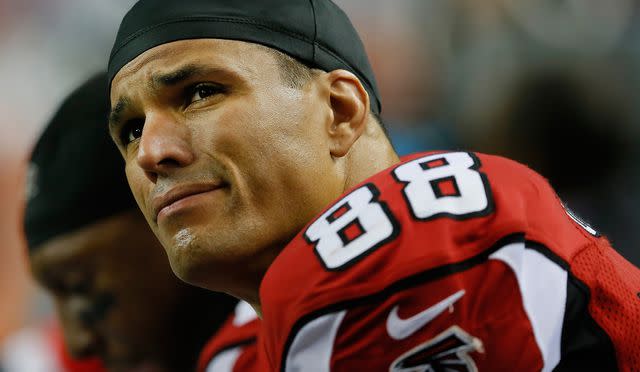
(352, 228)
(445, 185)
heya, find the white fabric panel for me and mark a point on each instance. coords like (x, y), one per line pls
(225, 361)
(244, 314)
(543, 287)
(313, 345)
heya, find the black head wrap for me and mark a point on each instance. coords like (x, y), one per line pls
(315, 32)
(76, 175)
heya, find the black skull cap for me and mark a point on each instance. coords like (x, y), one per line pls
(316, 32)
(76, 174)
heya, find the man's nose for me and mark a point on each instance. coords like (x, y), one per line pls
(165, 145)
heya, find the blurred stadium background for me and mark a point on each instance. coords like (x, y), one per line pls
(550, 83)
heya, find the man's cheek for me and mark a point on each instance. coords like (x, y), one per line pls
(140, 197)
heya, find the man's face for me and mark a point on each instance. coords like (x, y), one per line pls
(226, 161)
(107, 308)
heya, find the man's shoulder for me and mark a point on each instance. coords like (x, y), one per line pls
(427, 214)
(430, 209)
(435, 229)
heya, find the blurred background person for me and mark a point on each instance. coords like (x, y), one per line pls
(91, 248)
(553, 85)
(48, 48)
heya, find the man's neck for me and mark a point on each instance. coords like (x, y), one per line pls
(371, 154)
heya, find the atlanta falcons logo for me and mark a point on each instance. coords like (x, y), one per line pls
(447, 352)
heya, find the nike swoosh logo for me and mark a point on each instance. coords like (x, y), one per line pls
(399, 329)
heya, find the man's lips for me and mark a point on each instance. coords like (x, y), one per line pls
(178, 193)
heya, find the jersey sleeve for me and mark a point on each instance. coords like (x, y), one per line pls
(451, 259)
(234, 348)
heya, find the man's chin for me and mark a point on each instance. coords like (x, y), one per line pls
(188, 271)
(183, 239)
(196, 266)
(185, 263)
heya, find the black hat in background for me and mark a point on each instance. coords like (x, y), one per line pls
(76, 174)
(316, 32)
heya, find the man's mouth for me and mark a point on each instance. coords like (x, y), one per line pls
(179, 196)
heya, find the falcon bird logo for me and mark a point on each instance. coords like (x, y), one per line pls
(447, 352)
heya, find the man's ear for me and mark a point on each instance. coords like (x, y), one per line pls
(349, 103)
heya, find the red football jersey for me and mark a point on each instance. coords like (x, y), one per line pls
(451, 261)
(234, 347)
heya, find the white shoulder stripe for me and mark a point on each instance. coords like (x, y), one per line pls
(312, 347)
(543, 287)
(244, 314)
(225, 361)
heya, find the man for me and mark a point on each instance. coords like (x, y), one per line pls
(236, 153)
(90, 247)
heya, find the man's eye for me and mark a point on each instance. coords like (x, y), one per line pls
(203, 90)
(131, 131)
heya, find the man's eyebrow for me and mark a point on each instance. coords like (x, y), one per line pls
(181, 74)
(116, 112)
(165, 80)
